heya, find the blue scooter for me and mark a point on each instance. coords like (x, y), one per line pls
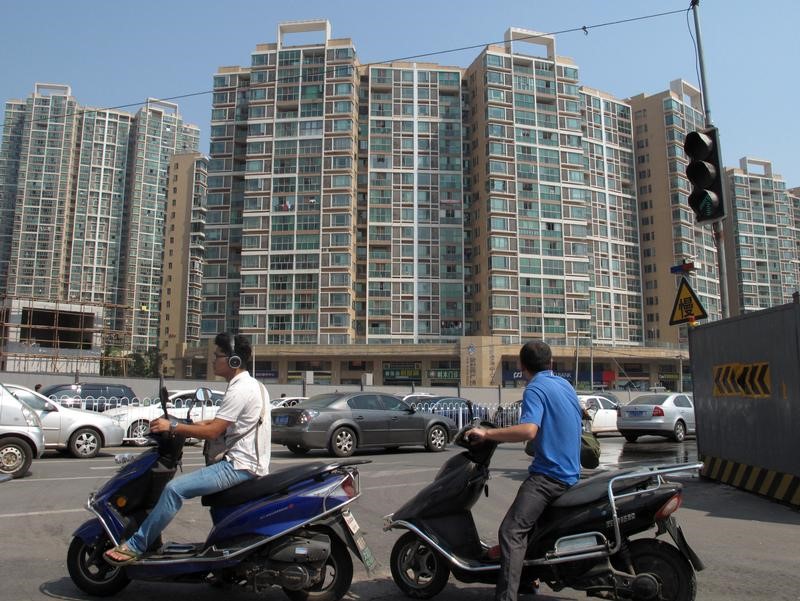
(291, 528)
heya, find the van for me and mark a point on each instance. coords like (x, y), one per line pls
(21, 435)
(94, 396)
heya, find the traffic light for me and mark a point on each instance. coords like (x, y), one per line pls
(705, 174)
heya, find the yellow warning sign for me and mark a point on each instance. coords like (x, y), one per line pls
(742, 379)
(687, 306)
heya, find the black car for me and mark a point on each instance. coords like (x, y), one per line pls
(344, 422)
(91, 395)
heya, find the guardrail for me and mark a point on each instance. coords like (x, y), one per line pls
(499, 415)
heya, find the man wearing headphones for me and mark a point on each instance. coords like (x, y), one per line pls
(243, 418)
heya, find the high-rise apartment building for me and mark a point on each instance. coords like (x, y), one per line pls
(668, 233)
(281, 252)
(410, 218)
(158, 132)
(184, 255)
(761, 238)
(552, 217)
(82, 194)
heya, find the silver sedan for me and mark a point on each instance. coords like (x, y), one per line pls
(669, 414)
(81, 433)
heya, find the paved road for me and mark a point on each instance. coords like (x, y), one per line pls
(748, 543)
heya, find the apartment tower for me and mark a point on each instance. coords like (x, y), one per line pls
(668, 233)
(184, 255)
(761, 238)
(551, 229)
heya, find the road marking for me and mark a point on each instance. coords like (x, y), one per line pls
(31, 513)
(395, 485)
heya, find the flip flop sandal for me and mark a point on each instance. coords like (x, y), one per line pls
(122, 549)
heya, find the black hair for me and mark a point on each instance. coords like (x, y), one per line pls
(235, 345)
(535, 356)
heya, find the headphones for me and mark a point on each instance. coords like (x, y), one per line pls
(234, 360)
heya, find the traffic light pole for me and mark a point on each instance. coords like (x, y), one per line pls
(716, 227)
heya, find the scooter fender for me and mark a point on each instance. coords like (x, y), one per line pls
(90, 531)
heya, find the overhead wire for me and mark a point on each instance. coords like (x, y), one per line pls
(583, 29)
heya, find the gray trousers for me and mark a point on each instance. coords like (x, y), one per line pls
(533, 496)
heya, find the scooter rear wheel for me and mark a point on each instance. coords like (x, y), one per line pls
(673, 570)
(90, 572)
(417, 569)
(336, 579)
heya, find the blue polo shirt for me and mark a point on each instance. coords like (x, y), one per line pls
(550, 402)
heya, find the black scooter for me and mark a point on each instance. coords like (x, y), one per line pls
(582, 540)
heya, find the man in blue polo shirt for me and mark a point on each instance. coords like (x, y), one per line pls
(551, 417)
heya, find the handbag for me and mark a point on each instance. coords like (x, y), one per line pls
(214, 449)
(590, 450)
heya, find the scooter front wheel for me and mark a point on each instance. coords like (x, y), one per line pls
(90, 572)
(418, 569)
(337, 576)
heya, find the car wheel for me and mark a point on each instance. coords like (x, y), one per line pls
(630, 437)
(138, 432)
(437, 439)
(85, 443)
(679, 432)
(297, 449)
(15, 457)
(343, 442)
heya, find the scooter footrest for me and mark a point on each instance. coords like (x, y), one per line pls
(179, 548)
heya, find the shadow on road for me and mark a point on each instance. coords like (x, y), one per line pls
(721, 500)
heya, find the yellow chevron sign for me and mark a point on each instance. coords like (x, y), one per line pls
(742, 379)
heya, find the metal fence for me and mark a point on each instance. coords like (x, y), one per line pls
(499, 415)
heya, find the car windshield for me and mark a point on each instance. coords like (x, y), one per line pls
(650, 399)
(320, 400)
(30, 399)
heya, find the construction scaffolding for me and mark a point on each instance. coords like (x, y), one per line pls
(61, 337)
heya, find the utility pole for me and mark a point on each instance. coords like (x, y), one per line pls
(716, 227)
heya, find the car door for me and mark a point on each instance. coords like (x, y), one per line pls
(406, 425)
(371, 417)
(605, 418)
(686, 411)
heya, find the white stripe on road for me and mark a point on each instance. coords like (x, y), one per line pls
(395, 485)
(30, 513)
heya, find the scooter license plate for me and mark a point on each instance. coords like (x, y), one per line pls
(361, 544)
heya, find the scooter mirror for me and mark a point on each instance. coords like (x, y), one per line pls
(202, 394)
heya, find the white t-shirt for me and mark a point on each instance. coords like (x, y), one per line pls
(241, 406)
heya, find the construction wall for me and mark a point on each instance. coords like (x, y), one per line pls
(746, 373)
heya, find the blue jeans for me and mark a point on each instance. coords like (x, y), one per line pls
(207, 480)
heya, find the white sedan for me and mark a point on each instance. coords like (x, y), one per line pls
(602, 410)
(135, 420)
(78, 432)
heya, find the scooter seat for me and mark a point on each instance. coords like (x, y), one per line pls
(596, 487)
(264, 486)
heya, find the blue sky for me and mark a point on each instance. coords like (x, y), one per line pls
(116, 53)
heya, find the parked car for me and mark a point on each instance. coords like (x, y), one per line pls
(21, 435)
(90, 395)
(81, 433)
(602, 411)
(416, 397)
(135, 420)
(288, 401)
(670, 414)
(344, 422)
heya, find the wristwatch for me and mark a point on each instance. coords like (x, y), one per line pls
(173, 423)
